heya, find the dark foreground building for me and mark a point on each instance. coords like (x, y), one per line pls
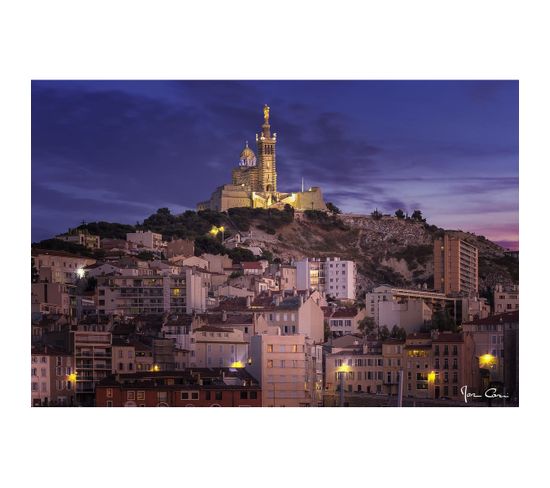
(196, 387)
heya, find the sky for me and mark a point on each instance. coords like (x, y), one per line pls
(119, 150)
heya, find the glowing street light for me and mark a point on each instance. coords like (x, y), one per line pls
(431, 377)
(237, 364)
(214, 231)
(155, 368)
(80, 272)
(487, 360)
(344, 368)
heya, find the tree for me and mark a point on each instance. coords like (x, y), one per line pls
(146, 256)
(400, 214)
(366, 326)
(267, 255)
(239, 254)
(417, 215)
(442, 320)
(376, 215)
(383, 333)
(91, 283)
(326, 330)
(208, 245)
(333, 209)
(34, 274)
(398, 333)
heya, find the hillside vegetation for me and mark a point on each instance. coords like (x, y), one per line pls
(392, 250)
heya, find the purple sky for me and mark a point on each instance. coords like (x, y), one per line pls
(119, 150)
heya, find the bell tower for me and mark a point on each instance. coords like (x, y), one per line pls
(266, 156)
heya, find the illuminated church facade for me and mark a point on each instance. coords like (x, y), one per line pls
(254, 181)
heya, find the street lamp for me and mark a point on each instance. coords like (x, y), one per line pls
(488, 362)
(214, 231)
(342, 370)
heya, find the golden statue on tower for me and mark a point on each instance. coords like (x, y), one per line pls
(266, 114)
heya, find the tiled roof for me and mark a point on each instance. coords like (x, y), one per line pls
(497, 319)
(345, 312)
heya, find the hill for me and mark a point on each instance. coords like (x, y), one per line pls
(387, 249)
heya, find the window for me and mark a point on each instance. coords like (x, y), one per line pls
(58, 360)
(253, 395)
(270, 363)
(244, 396)
(109, 403)
(43, 372)
(43, 359)
(218, 395)
(109, 393)
(141, 395)
(131, 395)
(33, 372)
(208, 395)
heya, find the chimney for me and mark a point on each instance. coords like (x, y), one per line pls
(248, 301)
(224, 316)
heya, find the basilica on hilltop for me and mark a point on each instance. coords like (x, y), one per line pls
(254, 181)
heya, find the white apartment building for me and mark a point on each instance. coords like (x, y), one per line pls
(148, 240)
(155, 294)
(332, 276)
(404, 307)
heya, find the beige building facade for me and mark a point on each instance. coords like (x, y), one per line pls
(455, 266)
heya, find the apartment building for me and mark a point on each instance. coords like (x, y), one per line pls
(433, 367)
(287, 277)
(151, 294)
(218, 347)
(52, 377)
(53, 298)
(280, 364)
(297, 314)
(222, 387)
(180, 247)
(332, 276)
(489, 340)
(82, 238)
(505, 299)
(146, 240)
(409, 308)
(455, 266)
(59, 266)
(93, 361)
(123, 356)
(343, 321)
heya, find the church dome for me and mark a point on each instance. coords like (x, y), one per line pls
(247, 158)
